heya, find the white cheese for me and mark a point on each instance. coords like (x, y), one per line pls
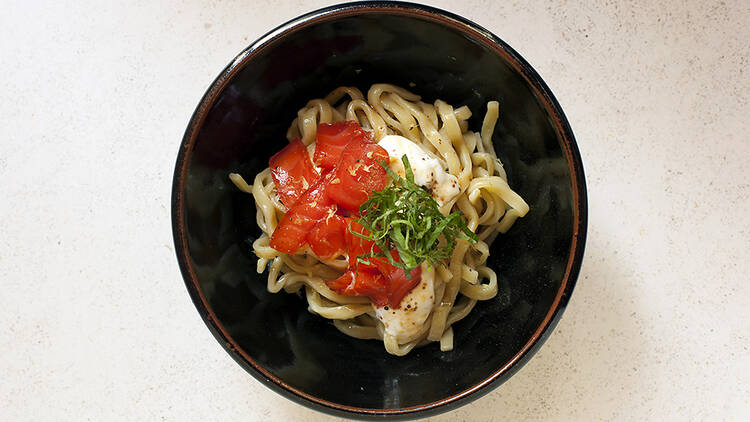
(413, 310)
(427, 169)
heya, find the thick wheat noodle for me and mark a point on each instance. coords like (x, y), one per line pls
(373, 120)
(408, 126)
(460, 310)
(329, 310)
(455, 134)
(481, 291)
(489, 206)
(497, 185)
(351, 328)
(440, 313)
(488, 126)
(443, 146)
(374, 94)
(337, 94)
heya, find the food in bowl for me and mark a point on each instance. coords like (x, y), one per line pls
(382, 208)
(239, 124)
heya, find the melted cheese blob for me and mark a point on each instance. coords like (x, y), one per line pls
(427, 169)
(405, 321)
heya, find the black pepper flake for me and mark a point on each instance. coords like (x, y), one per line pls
(408, 306)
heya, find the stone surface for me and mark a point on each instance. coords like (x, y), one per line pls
(96, 322)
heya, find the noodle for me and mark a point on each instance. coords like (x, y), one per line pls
(488, 203)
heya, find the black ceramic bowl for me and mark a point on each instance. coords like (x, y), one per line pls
(241, 121)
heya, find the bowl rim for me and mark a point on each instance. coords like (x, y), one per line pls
(560, 123)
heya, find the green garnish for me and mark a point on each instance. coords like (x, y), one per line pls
(405, 217)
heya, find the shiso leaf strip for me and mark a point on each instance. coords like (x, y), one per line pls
(404, 217)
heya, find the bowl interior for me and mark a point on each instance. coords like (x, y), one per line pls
(245, 122)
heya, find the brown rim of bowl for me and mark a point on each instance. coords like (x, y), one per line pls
(572, 155)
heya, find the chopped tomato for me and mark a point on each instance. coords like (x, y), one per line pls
(359, 280)
(328, 238)
(356, 246)
(322, 208)
(343, 285)
(358, 174)
(383, 288)
(362, 283)
(398, 284)
(292, 172)
(332, 139)
(291, 233)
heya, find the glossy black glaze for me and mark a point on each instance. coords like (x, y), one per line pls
(242, 120)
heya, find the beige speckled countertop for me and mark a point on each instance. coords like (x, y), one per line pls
(96, 323)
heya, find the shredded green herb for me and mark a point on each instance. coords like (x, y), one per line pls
(405, 217)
